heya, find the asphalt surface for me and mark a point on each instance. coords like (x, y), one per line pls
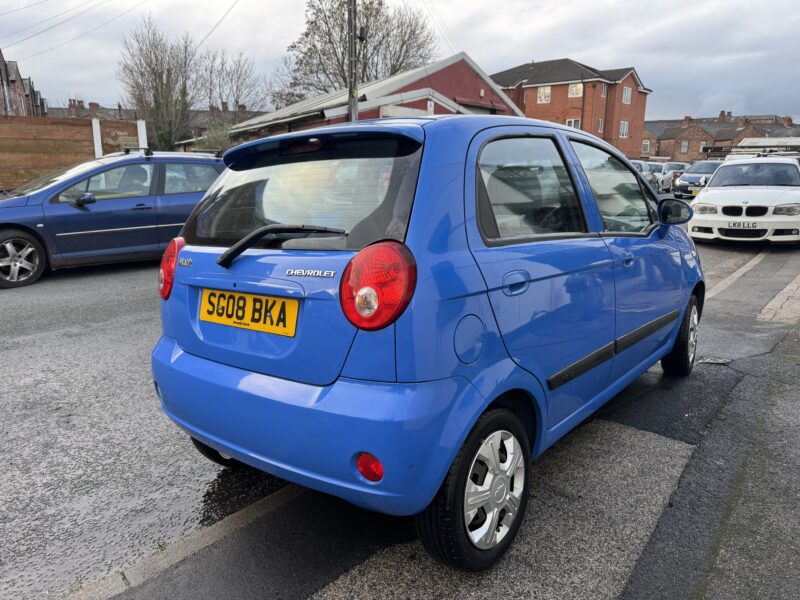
(676, 488)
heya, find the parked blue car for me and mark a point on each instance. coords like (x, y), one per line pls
(124, 206)
(404, 312)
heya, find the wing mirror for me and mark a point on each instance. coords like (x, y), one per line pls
(84, 199)
(674, 212)
(703, 181)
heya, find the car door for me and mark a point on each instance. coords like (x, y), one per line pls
(181, 187)
(549, 277)
(647, 263)
(120, 220)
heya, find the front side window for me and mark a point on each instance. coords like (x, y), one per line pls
(362, 184)
(622, 202)
(627, 95)
(575, 90)
(186, 178)
(623, 129)
(130, 181)
(524, 190)
(763, 174)
(543, 95)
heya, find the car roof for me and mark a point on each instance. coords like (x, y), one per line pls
(138, 153)
(787, 160)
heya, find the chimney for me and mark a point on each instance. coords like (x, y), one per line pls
(80, 105)
(224, 106)
(729, 115)
(93, 108)
(241, 114)
(687, 120)
(722, 116)
(71, 108)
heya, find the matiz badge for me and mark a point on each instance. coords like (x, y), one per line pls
(309, 273)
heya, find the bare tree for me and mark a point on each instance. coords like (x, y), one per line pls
(397, 38)
(160, 80)
(231, 80)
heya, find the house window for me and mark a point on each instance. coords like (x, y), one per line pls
(575, 90)
(645, 146)
(603, 90)
(684, 146)
(702, 146)
(543, 96)
(627, 94)
(623, 129)
(576, 123)
(600, 125)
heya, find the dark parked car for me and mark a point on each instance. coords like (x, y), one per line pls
(694, 179)
(124, 206)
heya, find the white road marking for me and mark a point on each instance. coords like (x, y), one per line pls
(153, 565)
(785, 306)
(731, 279)
(596, 498)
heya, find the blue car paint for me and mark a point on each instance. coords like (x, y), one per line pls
(147, 222)
(410, 393)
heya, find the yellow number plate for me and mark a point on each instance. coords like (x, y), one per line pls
(249, 311)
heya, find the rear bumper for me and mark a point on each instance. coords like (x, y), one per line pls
(311, 435)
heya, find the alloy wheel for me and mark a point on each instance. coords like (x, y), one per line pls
(494, 489)
(694, 320)
(19, 260)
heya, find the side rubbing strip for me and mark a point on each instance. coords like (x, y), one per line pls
(590, 361)
(587, 363)
(638, 334)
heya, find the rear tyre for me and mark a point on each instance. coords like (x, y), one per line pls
(477, 512)
(216, 456)
(680, 361)
(22, 258)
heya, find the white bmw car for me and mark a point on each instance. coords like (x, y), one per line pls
(750, 199)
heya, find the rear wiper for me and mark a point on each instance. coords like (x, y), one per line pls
(227, 257)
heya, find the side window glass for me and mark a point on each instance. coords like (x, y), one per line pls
(525, 190)
(185, 178)
(621, 201)
(130, 181)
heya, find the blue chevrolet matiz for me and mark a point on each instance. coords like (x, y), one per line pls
(404, 312)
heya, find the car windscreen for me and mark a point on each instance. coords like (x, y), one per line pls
(704, 167)
(654, 167)
(57, 176)
(767, 174)
(676, 166)
(363, 185)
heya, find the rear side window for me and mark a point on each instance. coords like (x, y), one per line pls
(185, 178)
(622, 202)
(524, 190)
(363, 185)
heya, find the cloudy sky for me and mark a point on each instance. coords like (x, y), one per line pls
(698, 56)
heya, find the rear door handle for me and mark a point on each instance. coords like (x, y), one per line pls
(515, 283)
(142, 207)
(627, 259)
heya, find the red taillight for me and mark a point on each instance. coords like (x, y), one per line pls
(166, 275)
(370, 467)
(377, 285)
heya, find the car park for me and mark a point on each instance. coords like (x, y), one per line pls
(640, 166)
(659, 176)
(124, 206)
(694, 179)
(405, 329)
(750, 199)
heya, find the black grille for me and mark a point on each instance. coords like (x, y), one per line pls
(743, 233)
(732, 211)
(756, 211)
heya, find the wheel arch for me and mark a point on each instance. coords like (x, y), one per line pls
(699, 292)
(523, 404)
(34, 233)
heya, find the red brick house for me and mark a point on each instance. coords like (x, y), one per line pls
(608, 103)
(454, 85)
(18, 95)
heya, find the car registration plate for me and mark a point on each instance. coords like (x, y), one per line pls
(695, 190)
(250, 311)
(742, 225)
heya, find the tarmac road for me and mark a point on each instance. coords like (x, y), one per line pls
(674, 489)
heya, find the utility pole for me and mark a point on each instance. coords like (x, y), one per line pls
(352, 86)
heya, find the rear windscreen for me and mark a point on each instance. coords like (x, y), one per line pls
(364, 186)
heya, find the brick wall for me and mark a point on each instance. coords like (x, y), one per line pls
(32, 146)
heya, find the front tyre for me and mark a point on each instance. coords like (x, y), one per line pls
(477, 512)
(22, 258)
(680, 361)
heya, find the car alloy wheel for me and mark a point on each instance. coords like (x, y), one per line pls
(493, 489)
(19, 260)
(694, 321)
